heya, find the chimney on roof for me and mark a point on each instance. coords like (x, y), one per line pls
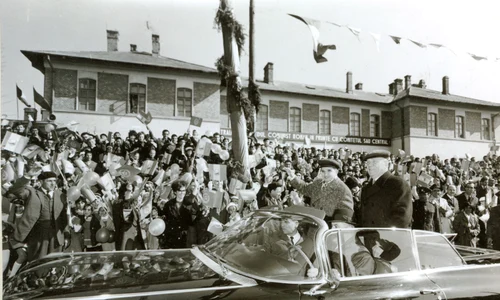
(133, 48)
(407, 81)
(398, 85)
(446, 85)
(268, 73)
(359, 86)
(391, 88)
(112, 40)
(421, 84)
(156, 44)
(348, 88)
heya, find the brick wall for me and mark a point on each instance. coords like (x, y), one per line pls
(365, 122)
(386, 124)
(472, 125)
(65, 83)
(407, 121)
(112, 91)
(206, 100)
(310, 118)
(396, 123)
(418, 120)
(446, 123)
(278, 115)
(340, 120)
(161, 96)
(65, 89)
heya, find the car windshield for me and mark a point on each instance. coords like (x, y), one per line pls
(269, 244)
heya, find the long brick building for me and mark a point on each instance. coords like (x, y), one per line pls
(104, 90)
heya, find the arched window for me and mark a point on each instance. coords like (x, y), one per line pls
(324, 122)
(262, 118)
(137, 98)
(459, 127)
(431, 124)
(86, 94)
(375, 126)
(294, 119)
(354, 128)
(184, 102)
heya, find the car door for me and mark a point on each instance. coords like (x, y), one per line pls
(396, 276)
(458, 280)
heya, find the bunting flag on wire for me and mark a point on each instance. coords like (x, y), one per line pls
(318, 48)
(21, 96)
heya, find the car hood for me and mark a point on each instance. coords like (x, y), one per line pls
(80, 275)
(473, 255)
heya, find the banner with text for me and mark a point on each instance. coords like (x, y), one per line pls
(315, 138)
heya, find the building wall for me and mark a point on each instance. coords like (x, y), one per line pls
(112, 93)
(446, 148)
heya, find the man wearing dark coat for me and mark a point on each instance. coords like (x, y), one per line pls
(468, 197)
(493, 228)
(43, 224)
(386, 200)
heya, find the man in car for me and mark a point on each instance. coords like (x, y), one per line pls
(375, 254)
(293, 244)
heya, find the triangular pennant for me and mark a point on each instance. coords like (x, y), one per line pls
(376, 38)
(396, 39)
(354, 31)
(436, 45)
(418, 44)
(318, 48)
(476, 57)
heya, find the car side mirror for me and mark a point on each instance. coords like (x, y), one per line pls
(331, 284)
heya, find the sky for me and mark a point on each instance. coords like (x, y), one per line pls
(187, 32)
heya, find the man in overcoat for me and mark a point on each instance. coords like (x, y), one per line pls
(386, 200)
(44, 222)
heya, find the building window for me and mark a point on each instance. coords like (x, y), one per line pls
(485, 126)
(184, 102)
(324, 122)
(354, 128)
(375, 126)
(459, 127)
(294, 119)
(86, 94)
(137, 98)
(262, 118)
(432, 124)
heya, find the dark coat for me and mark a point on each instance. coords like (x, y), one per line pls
(461, 227)
(33, 209)
(493, 227)
(386, 203)
(462, 201)
(426, 216)
(177, 223)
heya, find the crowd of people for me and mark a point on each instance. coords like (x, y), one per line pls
(71, 192)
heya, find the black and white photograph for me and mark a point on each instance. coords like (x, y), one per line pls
(250, 149)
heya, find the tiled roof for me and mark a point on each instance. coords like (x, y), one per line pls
(322, 91)
(139, 58)
(437, 95)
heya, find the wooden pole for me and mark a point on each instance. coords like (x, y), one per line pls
(237, 117)
(251, 64)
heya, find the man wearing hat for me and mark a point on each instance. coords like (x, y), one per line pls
(425, 212)
(43, 223)
(329, 194)
(386, 199)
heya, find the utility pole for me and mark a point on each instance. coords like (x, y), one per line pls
(237, 117)
(251, 64)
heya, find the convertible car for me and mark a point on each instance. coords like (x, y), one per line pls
(273, 255)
